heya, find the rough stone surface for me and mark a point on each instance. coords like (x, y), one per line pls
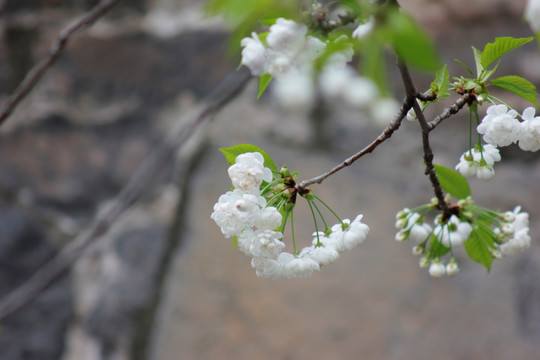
(37, 332)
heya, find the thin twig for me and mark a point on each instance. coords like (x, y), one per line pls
(142, 181)
(37, 72)
(428, 152)
(449, 111)
(386, 134)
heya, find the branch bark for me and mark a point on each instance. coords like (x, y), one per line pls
(428, 152)
(36, 73)
(141, 183)
(385, 135)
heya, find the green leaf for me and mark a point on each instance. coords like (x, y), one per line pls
(464, 66)
(477, 61)
(501, 45)
(264, 81)
(442, 79)
(478, 249)
(373, 64)
(519, 86)
(232, 152)
(411, 43)
(452, 182)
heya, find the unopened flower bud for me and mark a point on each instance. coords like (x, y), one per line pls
(508, 229)
(509, 216)
(403, 213)
(436, 269)
(424, 262)
(401, 223)
(411, 115)
(452, 268)
(402, 235)
(496, 254)
(418, 250)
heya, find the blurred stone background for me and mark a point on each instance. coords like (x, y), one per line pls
(164, 283)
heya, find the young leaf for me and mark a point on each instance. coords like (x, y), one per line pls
(411, 43)
(231, 153)
(442, 79)
(478, 61)
(478, 249)
(264, 81)
(519, 86)
(452, 182)
(464, 66)
(501, 45)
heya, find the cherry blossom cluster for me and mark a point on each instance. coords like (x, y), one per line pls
(502, 234)
(501, 127)
(289, 58)
(479, 161)
(247, 215)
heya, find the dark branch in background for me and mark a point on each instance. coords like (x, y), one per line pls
(428, 152)
(386, 134)
(141, 183)
(37, 72)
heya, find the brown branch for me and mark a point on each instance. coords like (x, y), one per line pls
(428, 152)
(141, 183)
(449, 111)
(385, 135)
(36, 73)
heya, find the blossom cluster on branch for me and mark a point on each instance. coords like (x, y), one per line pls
(316, 56)
(252, 213)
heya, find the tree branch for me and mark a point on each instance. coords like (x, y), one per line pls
(449, 111)
(36, 73)
(428, 152)
(142, 181)
(385, 135)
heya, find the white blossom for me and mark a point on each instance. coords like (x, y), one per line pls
(532, 14)
(360, 92)
(500, 126)
(266, 244)
(300, 267)
(436, 269)
(520, 239)
(268, 218)
(236, 210)
(248, 173)
(454, 232)
(363, 29)
(384, 110)
(479, 162)
(323, 255)
(295, 91)
(333, 80)
(286, 36)
(254, 54)
(529, 136)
